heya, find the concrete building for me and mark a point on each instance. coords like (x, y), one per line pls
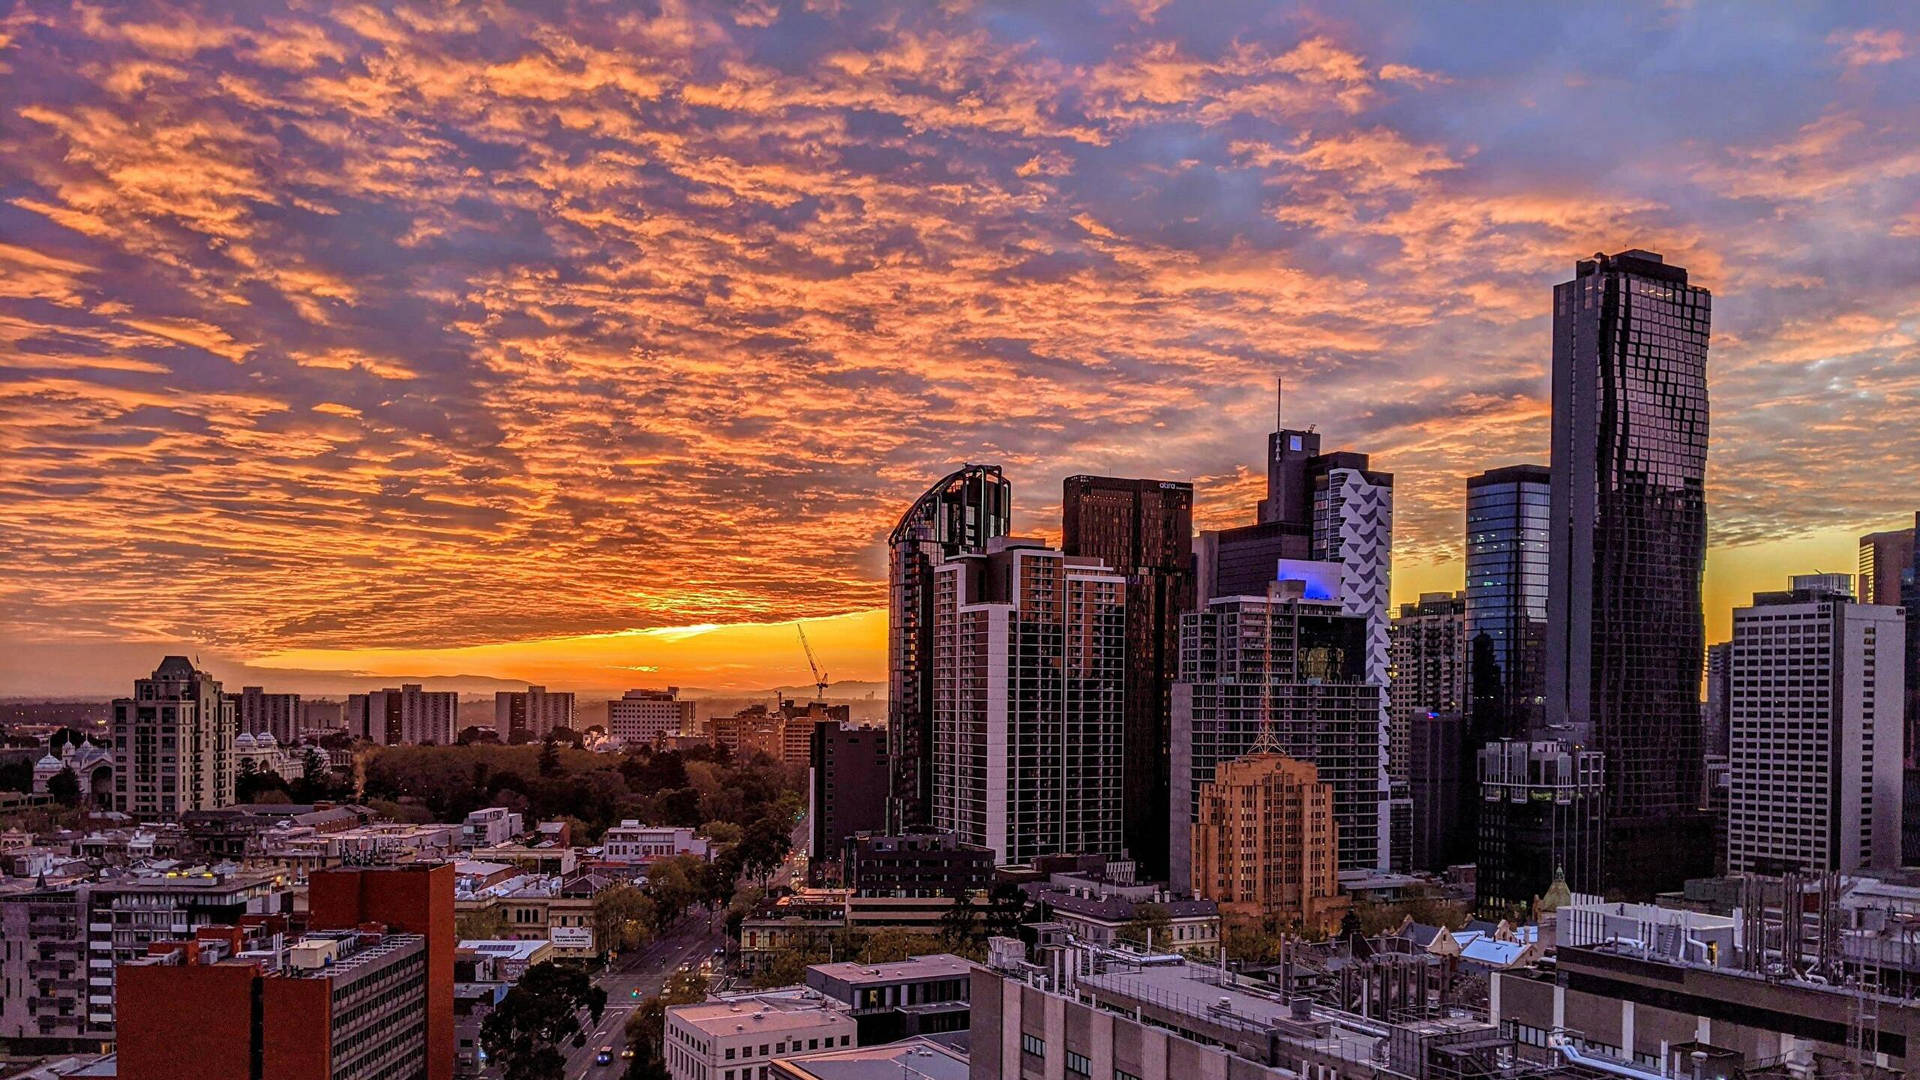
(957, 515)
(909, 1059)
(1265, 845)
(737, 1036)
(1542, 809)
(1099, 912)
(1885, 559)
(344, 1005)
(490, 826)
(1029, 678)
(173, 744)
(1429, 673)
(922, 995)
(1716, 727)
(632, 842)
(847, 792)
(1625, 627)
(925, 865)
(1817, 691)
(531, 713)
(1143, 529)
(1442, 790)
(1311, 658)
(647, 717)
(409, 716)
(279, 715)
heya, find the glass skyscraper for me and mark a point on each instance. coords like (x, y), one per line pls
(1507, 529)
(1625, 632)
(956, 516)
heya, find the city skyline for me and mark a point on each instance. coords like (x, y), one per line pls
(574, 366)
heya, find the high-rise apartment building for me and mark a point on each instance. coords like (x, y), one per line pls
(1716, 725)
(531, 713)
(409, 716)
(1885, 559)
(278, 715)
(957, 515)
(1294, 663)
(1625, 628)
(1265, 845)
(1817, 689)
(1029, 653)
(1542, 813)
(847, 774)
(173, 744)
(1441, 789)
(1910, 599)
(1429, 646)
(1508, 525)
(647, 717)
(1143, 529)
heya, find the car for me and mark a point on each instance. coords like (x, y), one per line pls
(604, 1057)
(626, 1052)
(720, 951)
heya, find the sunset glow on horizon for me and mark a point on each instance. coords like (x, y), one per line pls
(595, 347)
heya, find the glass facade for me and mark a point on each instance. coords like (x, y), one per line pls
(1626, 634)
(1507, 530)
(957, 515)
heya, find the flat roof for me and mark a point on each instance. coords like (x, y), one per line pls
(890, 1061)
(930, 966)
(769, 1013)
(505, 948)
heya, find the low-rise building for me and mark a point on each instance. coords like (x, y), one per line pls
(737, 1037)
(917, 864)
(1097, 912)
(910, 1059)
(922, 995)
(490, 827)
(510, 959)
(633, 843)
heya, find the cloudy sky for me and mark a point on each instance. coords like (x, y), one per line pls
(433, 339)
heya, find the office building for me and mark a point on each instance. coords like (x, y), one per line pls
(1143, 529)
(632, 842)
(278, 715)
(1442, 790)
(1542, 808)
(1292, 663)
(173, 744)
(737, 1036)
(409, 716)
(343, 1005)
(917, 865)
(531, 713)
(1716, 722)
(407, 899)
(921, 995)
(917, 1058)
(1885, 559)
(1910, 599)
(1265, 846)
(1625, 628)
(647, 717)
(1817, 688)
(847, 791)
(1506, 611)
(957, 515)
(1029, 678)
(1429, 673)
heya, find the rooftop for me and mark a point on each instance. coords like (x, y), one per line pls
(931, 966)
(891, 1061)
(795, 1008)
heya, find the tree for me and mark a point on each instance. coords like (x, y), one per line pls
(476, 734)
(64, 786)
(961, 922)
(481, 925)
(524, 1033)
(1148, 925)
(623, 918)
(1006, 908)
(646, 1026)
(549, 758)
(254, 785)
(674, 884)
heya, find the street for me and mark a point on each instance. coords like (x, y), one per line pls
(692, 940)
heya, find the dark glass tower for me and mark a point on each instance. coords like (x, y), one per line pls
(1625, 633)
(1507, 529)
(956, 516)
(1144, 530)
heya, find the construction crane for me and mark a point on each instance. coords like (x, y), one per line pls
(819, 677)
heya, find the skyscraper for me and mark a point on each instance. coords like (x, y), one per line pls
(531, 713)
(1143, 529)
(1429, 641)
(409, 716)
(173, 744)
(1625, 628)
(1817, 693)
(1506, 611)
(1291, 662)
(959, 514)
(1885, 557)
(1028, 672)
(1264, 844)
(1910, 599)
(1717, 725)
(276, 714)
(1542, 812)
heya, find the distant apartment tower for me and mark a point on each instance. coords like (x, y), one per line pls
(647, 717)
(1265, 845)
(1029, 677)
(1294, 661)
(959, 514)
(1429, 642)
(847, 787)
(173, 744)
(1885, 559)
(1442, 790)
(1716, 725)
(1817, 685)
(1508, 524)
(1625, 628)
(531, 713)
(1542, 811)
(1143, 529)
(276, 714)
(408, 716)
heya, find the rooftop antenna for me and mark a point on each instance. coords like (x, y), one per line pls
(1279, 403)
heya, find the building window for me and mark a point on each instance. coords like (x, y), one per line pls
(1033, 1044)
(1079, 1064)
(729, 1053)
(1122, 1074)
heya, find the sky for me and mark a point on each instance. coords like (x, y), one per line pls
(594, 343)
